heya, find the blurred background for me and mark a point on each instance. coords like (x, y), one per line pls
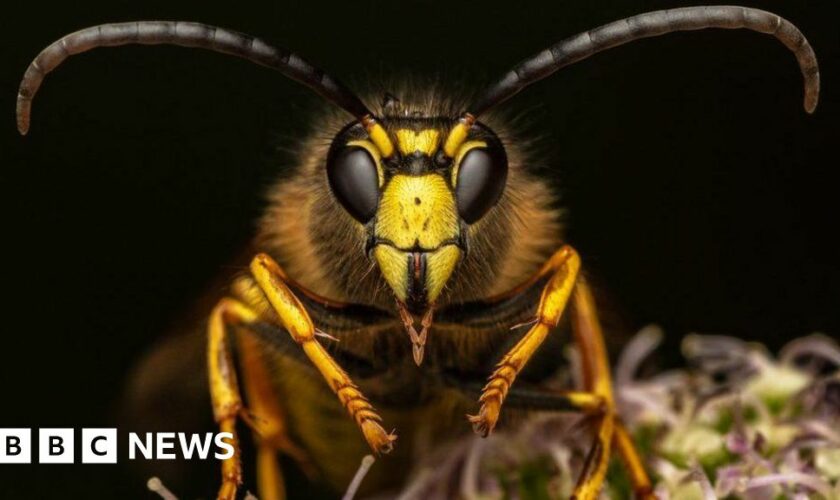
(699, 192)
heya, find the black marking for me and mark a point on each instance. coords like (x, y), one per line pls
(416, 247)
(593, 458)
(416, 292)
(417, 163)
(441, 160)
(511, 310)
(278, 339)
(334, 319)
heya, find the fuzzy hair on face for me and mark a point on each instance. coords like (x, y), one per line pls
(322, 247)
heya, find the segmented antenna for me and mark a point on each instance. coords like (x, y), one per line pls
(583, 45)
(183, 34)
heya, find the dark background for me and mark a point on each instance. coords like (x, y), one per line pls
(699, 191)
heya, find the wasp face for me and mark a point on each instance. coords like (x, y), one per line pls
(415, 202)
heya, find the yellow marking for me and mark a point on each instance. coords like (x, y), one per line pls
(417, 210)
(380, 137)
(374, 152)
(439, 267)
(558, 290)
(393, 265)
(424, 141)
(586, 401)
(458, 135)
(462, 151)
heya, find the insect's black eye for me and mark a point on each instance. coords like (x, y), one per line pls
(354, 180)
(482, 173)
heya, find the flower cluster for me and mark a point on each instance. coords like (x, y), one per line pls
(735, 423)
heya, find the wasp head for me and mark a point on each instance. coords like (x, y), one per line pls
(416, 191)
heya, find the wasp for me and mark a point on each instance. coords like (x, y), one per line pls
(392, 264)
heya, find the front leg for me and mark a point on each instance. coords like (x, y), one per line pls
(564, 265)
(294, 318)
(596, 399)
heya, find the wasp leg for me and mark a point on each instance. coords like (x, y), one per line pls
(565, 265)
(539, 399)
(264, 415)
(563, 285)
(224, 389)
(248, 314)
(596, 378)
(642, 486)
(294, 318)
(268, 422)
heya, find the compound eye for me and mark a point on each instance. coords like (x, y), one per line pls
(482, 173)
(354, 180)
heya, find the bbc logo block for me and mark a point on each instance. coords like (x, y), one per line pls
(55, 446)
(99, 446)
(15, 446)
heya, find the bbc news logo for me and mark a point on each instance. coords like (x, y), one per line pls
(99, 446)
